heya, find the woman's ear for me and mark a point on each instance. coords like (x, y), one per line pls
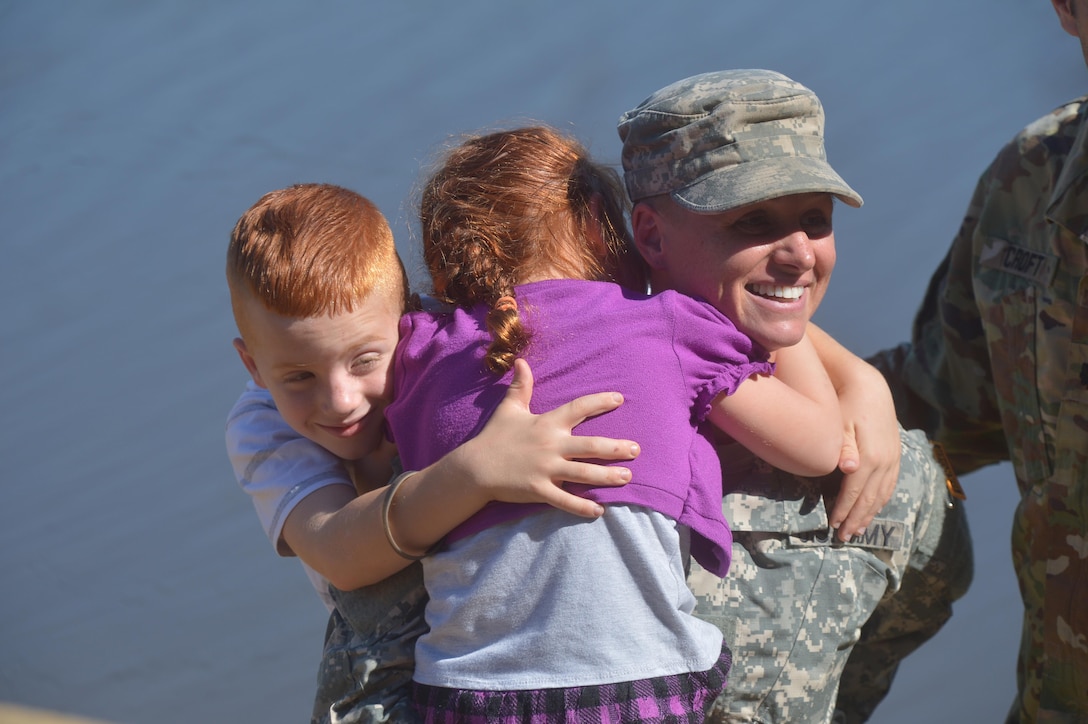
(646, 232)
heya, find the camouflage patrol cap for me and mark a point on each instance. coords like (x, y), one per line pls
(721, 140)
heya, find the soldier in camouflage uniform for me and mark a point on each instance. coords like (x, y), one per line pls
(997, 369)
(707, 162)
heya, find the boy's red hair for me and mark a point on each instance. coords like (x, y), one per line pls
(312, 250)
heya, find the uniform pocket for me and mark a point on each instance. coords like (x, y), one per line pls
(1011, 327)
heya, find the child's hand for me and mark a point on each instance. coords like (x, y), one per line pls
(870, 453)
(520, 457)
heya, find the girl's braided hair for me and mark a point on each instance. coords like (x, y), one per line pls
(508, 205)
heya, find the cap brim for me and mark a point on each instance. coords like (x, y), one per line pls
(755, 181)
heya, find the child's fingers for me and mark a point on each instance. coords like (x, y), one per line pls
(579, 409)
(520, 390)
(588, 447)
(571, 503)
(590, 474)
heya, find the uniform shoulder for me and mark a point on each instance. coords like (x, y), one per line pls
(1042, 146)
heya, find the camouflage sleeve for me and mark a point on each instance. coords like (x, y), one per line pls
(941, 380)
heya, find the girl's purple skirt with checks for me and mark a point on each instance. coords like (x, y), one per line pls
(677, 698)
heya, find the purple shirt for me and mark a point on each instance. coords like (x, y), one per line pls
(669, 355)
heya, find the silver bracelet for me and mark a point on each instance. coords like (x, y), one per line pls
(387, 503)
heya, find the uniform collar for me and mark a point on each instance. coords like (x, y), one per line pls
(1069, 201)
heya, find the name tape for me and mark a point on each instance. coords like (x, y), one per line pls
(1023, 262)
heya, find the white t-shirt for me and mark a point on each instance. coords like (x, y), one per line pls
(278, 468)
(602, 601)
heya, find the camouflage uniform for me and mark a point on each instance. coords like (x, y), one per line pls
(998, 370)
(808, 618)
(793, 606)
(796, 601)
(369, 655)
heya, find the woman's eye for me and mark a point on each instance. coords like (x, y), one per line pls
(752, 224)
(817, 224)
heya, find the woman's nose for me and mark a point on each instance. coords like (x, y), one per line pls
(796, 251)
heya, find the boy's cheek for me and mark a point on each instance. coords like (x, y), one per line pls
(296, 423)
(291, 414)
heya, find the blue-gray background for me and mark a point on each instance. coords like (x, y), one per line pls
(135, 582)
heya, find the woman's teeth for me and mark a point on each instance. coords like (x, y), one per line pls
(777, 291)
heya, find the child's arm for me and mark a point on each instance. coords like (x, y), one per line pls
(871, 444)
(792, 419)
(517, 457)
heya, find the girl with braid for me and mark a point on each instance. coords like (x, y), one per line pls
(535, 614)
